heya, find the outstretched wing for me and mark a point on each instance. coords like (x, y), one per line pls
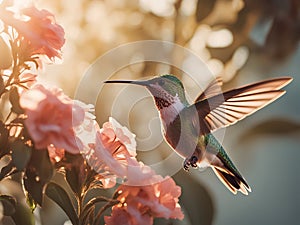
(225, 109)
(212, 89)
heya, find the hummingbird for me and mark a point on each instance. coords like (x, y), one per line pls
(188, 128)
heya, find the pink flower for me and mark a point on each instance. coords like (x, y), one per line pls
(139, 204)
(120, 215)
(109, 156)
(43, 35)
(123, 135)
(108, 152)
(144, 195)
(51, 118)
(38, 32)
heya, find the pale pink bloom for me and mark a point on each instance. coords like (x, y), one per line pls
(139, 174)
(51, 118)
(157, 200)
(166, 204)
(120, 215)
(87, 130)
(43, 34)
(107, 153)
(124, 135)
(105, 157)
(38, 32)
(144, 195)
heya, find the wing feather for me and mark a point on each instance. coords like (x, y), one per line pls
(212, 89)
(225, 109)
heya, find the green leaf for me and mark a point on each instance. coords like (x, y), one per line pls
(6, 169)
(86, 215)
(79, 175)
(9, 205)
(91, 215)
(38, 173)
(23, 215)
(14, 99)
(195, 199)
(89, 208)
(75, 173)
(60, 196)
(20, 154)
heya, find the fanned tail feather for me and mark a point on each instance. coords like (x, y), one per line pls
(234, 182)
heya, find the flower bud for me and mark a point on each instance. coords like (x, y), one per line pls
(5, 55)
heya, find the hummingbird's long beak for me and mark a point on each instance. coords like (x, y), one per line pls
(137, 82)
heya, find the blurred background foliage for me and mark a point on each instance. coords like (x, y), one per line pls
(241, 40)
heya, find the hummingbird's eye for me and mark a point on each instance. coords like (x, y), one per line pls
(161, 82)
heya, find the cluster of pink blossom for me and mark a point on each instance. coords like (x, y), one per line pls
(57, 123)
(38, 32)
(139, 204)
(143, 195)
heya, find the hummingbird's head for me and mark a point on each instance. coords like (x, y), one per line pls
(166, 89)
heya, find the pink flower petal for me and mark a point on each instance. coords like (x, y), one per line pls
(158, 200)
(38, 31)
(51, 118)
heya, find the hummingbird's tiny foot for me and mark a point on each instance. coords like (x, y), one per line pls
(193, 161)
(190, 162)
(186, 164)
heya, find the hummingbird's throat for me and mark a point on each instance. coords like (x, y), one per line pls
(168, 110)
(167, 104)
(162, 98)
(163, 103)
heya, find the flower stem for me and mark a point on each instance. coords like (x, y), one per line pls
(101, 211)
(9, 114)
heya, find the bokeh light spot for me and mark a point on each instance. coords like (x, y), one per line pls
(215, 66)
(220, 38)
(240, 56)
